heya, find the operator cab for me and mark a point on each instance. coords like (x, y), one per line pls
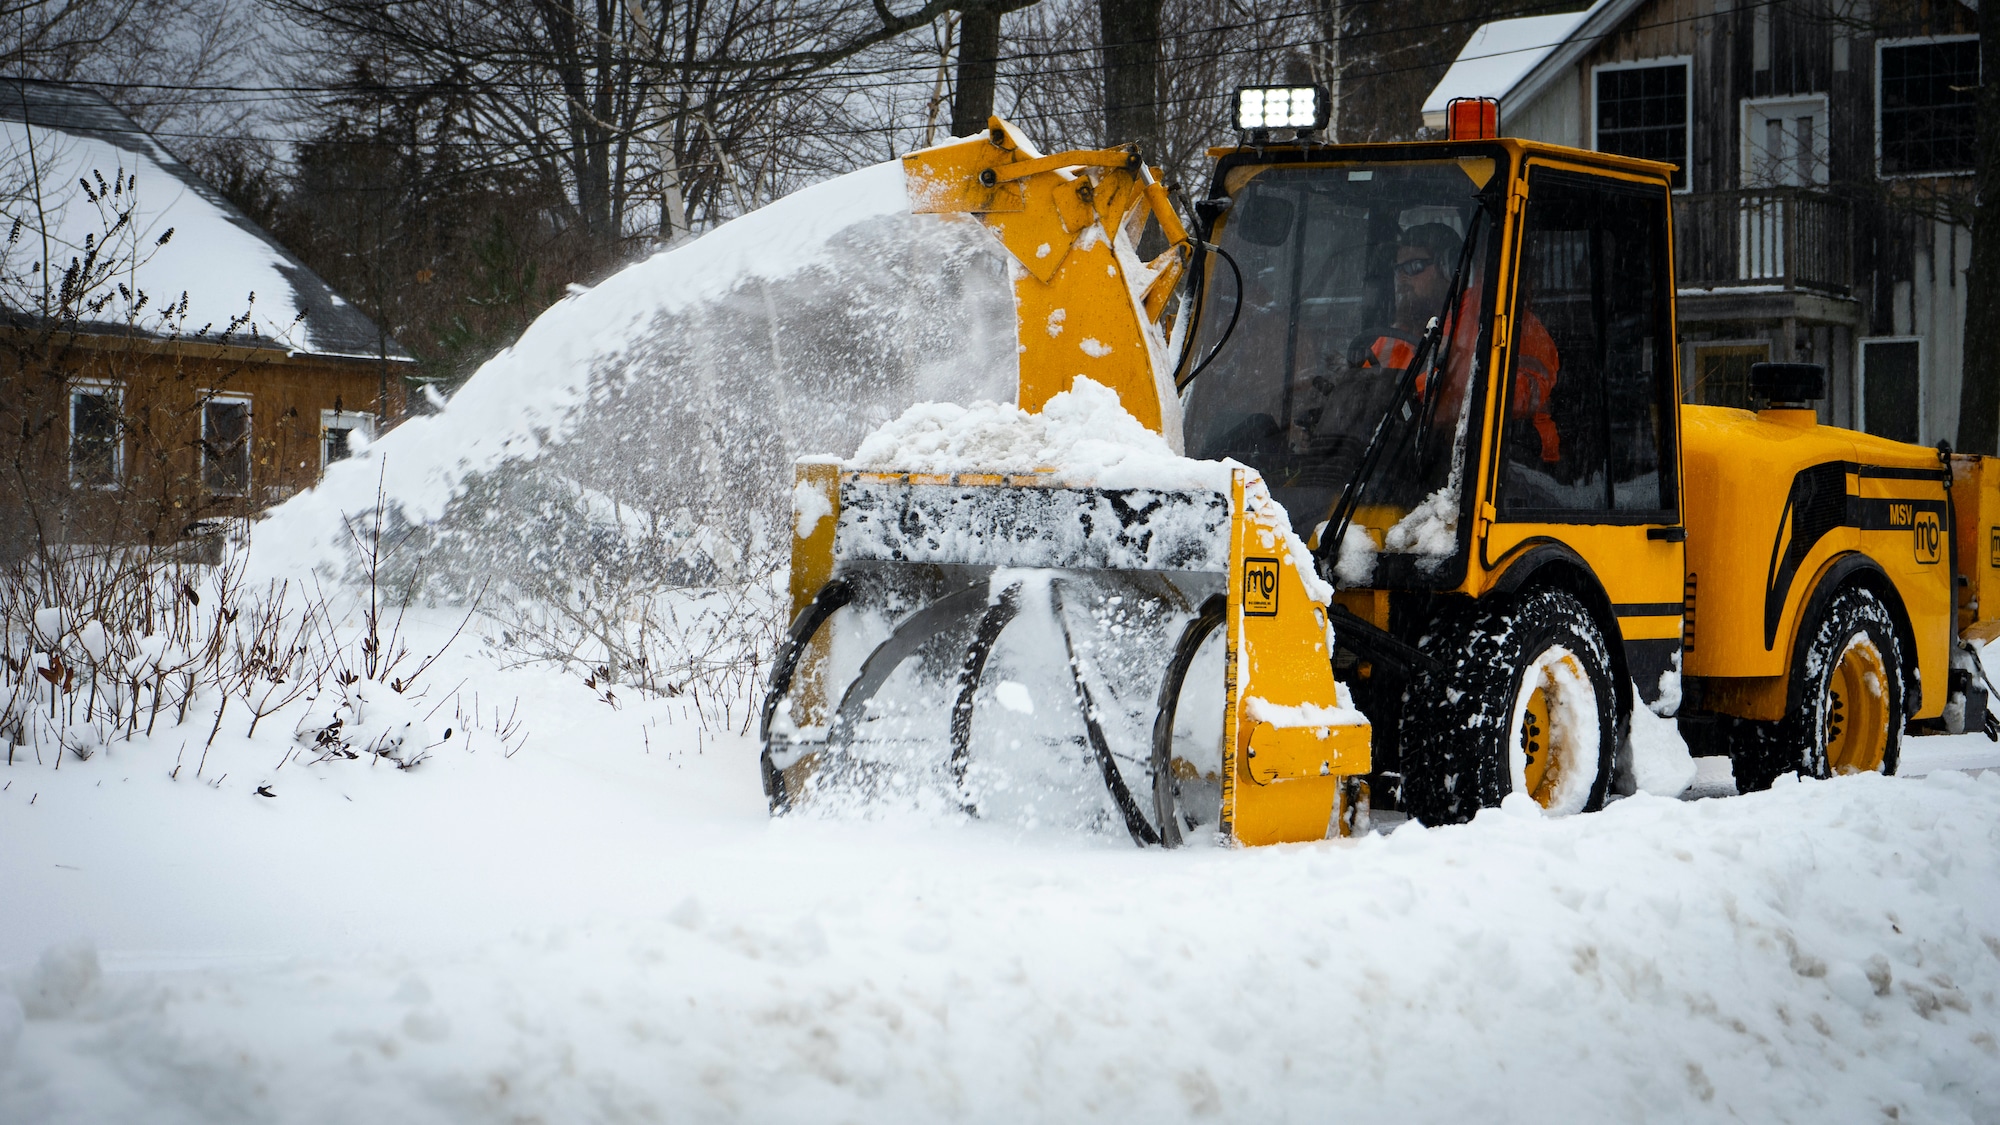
(1358, 314)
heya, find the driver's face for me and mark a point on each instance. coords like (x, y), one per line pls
(1420, 285)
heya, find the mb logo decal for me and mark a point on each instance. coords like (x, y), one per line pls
(1929, 534)
(1260, 587)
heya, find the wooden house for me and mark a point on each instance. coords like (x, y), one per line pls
(1822, 209)
(164, 364)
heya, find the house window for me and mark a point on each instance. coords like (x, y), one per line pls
(1924, 105)
(225, 446)
(1892, 388)
(96, 441)
(1719, 372)
(342, 434)
(1643, 111)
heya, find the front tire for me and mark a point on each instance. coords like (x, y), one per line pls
(1848, 690)
(1527, 704)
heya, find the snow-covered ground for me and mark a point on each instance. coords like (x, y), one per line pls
(605, 926)
(591, 917)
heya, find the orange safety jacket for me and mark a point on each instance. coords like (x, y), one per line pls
(1536, 364)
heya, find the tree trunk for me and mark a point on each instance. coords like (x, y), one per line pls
(1326, 60)
(589, 145)
(978, 48)
(1979, 385)
(1130, 32)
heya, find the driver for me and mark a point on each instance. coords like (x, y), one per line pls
(1426, 255)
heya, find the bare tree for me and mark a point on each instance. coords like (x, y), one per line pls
(39, 32)
(626, 105)
(157, 60)
(1053, 78)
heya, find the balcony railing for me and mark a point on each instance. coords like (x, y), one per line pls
(1783, 238)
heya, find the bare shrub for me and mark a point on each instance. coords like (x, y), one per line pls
(98, 644)
(104, 645)
(709, 643)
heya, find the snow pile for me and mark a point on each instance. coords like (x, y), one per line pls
(1344, 713)
(1084, 435)
(1429, 531)
(1356, 565)
(1661, 764)
(592, 933)
(643, 427)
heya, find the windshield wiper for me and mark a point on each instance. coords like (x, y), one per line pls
(1400, 405)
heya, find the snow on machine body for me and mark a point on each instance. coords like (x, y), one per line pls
(1451, 366)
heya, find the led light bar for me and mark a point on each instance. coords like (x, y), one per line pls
(1281, 107)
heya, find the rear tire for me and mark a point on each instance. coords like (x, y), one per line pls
(1527, 703)
(1847, 682)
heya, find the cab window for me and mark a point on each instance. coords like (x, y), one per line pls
(1587, 431)
(1343, 267)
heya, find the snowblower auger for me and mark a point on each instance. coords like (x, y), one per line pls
(1204, 562)
(918, 577)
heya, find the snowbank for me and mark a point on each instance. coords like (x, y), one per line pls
(655, 949)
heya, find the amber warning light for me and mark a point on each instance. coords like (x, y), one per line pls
(1473, 119)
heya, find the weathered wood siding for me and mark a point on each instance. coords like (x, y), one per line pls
(1911, 242)
(162, 390)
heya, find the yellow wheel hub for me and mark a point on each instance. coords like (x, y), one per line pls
(1541, 756)
(1857, 710)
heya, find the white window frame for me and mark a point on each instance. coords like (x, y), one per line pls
(1861, 380)
(1684, 61)
(342, 419)
(1876, 94)
(209, 398)
(1824, 115)
(1690, 350)
(115, 391)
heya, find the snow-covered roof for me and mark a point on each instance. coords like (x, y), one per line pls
(1515, 60)
(1497, 56)
(225, 263)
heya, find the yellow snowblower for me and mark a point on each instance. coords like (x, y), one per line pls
(1458, 524)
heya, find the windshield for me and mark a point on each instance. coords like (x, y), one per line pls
(1343, 267)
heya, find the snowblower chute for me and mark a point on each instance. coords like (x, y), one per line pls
(1147, 598)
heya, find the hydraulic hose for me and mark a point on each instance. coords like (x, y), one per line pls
(1234, 313)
